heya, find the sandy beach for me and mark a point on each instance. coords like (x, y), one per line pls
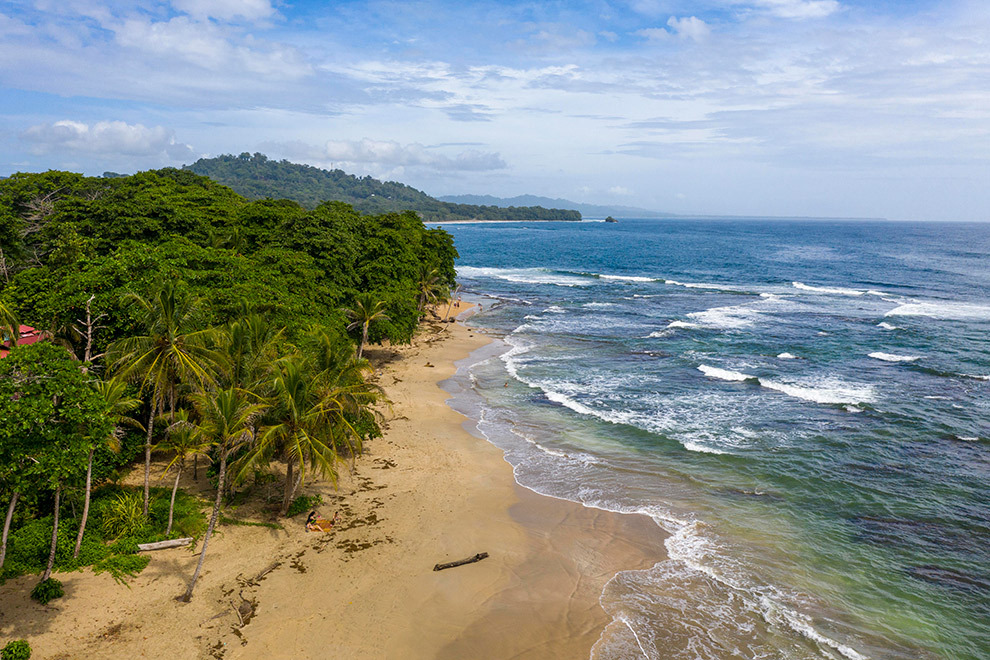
(427, 492)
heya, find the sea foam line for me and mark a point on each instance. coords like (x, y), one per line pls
(890, 357)
(828, 391)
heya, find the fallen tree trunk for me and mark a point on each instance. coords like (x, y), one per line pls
(461, 562)
(161, 545)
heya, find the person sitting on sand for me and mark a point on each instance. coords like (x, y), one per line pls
(314, 524)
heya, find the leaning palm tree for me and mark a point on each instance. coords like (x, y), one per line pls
(172, 349)
(118, 403)
(227, 421)
(429, 288)
(452, 296)
(183, 439)
(367, 309)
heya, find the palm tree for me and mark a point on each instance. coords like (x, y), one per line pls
(429, 289)
(10, 327)
(183, 439)
(227, 419)
(366, 311)
(299, 432)
(452, 297)
(172, 349)
(117, 404)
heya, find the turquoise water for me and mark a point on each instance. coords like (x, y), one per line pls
(804, 406)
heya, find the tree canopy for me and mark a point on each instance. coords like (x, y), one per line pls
(66, 237)
(257, 177)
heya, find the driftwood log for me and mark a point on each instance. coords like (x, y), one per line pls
(461, 562)
(161, 545)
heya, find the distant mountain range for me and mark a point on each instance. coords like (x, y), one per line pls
(255, 176)
(587, 210)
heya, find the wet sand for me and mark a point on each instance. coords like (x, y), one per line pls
(425, 493)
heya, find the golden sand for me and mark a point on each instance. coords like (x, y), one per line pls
(427, 492)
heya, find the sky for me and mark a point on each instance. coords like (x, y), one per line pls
(839, 108)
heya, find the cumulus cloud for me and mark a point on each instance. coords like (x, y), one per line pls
(251, 10)
(106, 138)
(689, 28)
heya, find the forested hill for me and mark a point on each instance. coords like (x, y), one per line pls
(258, 177)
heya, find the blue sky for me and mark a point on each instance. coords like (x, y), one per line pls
(776, 107)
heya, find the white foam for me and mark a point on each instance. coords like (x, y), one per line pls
(952, 311)
(723, 374)
(976, 376)
(727, 317)
(525, 276)
(887, 326)
(553, 309)
(599, 305)
(826, 390)
(628, 278)
(677, 324)
(967, 438)
(787, 356)
(694, 446)
(890, 357)
(840, 291)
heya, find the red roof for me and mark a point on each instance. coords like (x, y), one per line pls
(28, 336)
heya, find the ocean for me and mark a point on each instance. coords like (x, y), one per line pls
(804, 406)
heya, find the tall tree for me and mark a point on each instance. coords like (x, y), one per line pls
(173, 348)
(227, 419)
(117, 404)
(366, 310)
(50, 412)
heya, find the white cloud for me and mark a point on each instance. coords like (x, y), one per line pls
(106, 138)
(690, 27)
(798, 9)
(620, 190)
(654, 34)
(387, 155)
(251, 10)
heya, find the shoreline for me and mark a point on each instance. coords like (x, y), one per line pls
(427, 492)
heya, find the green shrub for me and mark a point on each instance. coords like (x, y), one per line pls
(48, 590)
(18, 649)
(304, 503)
(121, 566)
(123, 516)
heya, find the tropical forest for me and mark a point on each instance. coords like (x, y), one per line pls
(180, 319)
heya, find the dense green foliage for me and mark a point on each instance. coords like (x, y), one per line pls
(18, 649)
(66, 237)
(218, 322)
(30, 541)
(303, 503)
(257, 177)
(47, 590)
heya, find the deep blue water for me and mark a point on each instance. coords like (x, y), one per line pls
(803, 405)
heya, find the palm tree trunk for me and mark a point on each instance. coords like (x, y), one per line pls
(85, 515)
(51, 553)
(287, 490)
(171, 505)
(196, 467)
(364, 339)
(6, 526)
(213, 523)
(147, 451)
